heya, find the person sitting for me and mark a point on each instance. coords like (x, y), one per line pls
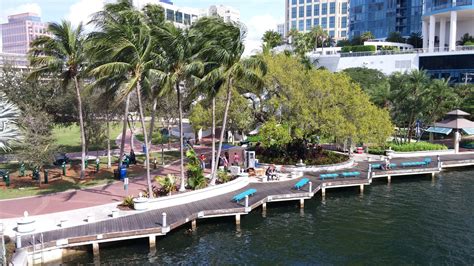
(271, 173)
(387, 164)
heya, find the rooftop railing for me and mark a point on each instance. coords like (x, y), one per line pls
(408, 51)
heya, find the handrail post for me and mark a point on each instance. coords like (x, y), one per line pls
(164, 220)
(246, 201)
(370, 171)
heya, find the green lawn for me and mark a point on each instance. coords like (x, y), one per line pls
(69, 138)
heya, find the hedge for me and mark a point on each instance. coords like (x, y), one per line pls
(358, 48)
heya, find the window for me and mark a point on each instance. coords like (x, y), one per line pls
(316, 9)
(309, 9)
(325, 9)
(293, 2)
(293, 24)
(293, 12)
(301, 25)
(308, 24)
(343, 33)
(344, 8)
(309, 1)
(344, 22)
(332, 22)
(187, 19)
(324, 22)
(179, 17)
(301, 11)
(331, 33)
(169, 14)
(316, 22)
(301, 1)
(332, 8)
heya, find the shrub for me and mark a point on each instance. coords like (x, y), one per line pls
(223, 176)
(196, 179)
(255, 138)
(467, 144)
(127, 202)
(407, 147)
(358, 48)
(167, 184)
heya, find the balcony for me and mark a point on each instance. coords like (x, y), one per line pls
(435, 5)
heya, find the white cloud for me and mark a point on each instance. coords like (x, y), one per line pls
(23, 8)
(256, 27)
(82, 10)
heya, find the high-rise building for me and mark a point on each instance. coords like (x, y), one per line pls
(226, 12)
(381, 17)
(20, 30)
(331, 15)
(185, 16)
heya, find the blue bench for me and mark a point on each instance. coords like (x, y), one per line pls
(350, 174)
(241, 196)
(408, 164)
(328, 176)
(301, 183)
(379, 166)
(428, 161)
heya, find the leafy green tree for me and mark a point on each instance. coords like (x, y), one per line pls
(465, 94)
(37, 148)
(395, 36)
(373, 82)
(415, 39)
(343, 42)
(62, 55)
(271, 39)
(272, 133)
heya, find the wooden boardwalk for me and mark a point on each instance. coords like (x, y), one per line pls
(150, 223)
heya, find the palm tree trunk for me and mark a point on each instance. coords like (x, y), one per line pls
(109, 157)
(145, 136)
(213, 136)
(81, 124)
(181, 140)
(152, 122)
(124, 130)
(221, 139)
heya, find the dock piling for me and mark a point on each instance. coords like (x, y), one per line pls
(310, 184)
(362, 188)
(301, 203)
(193, 225)
(389, 179)
(95, 249)
(152, 242)
(237, 219)
(323, 191)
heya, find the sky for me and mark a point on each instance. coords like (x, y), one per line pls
(257, 15)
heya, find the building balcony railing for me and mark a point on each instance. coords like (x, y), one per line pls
(439, 6)
(410, 51)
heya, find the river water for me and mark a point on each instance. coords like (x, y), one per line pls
(414, 220)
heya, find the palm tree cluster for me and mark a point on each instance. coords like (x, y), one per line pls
(137, 53)
(9, 131)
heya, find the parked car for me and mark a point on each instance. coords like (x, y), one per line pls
(60, 158)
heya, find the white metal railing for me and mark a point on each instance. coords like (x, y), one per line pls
(411, 51)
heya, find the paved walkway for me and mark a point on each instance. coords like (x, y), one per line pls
(69, 200)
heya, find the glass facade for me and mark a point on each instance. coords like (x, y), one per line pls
(20, 30)
(331, 15)
(381, 17)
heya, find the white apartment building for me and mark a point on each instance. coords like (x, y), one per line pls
(331, 15)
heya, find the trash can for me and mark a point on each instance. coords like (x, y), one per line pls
(144, 148)
(360, 150)
(123, 173)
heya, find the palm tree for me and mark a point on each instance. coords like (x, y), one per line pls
(130, 50)
(9, 131)
(63, 55)
(271, 39)
(232, 69)
(366, 36)
(416, 40)
(181, 67)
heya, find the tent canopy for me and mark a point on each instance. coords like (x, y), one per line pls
(469, 131)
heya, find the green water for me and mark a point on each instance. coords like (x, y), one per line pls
(412, 221)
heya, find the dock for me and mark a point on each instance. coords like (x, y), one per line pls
(152, 223)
